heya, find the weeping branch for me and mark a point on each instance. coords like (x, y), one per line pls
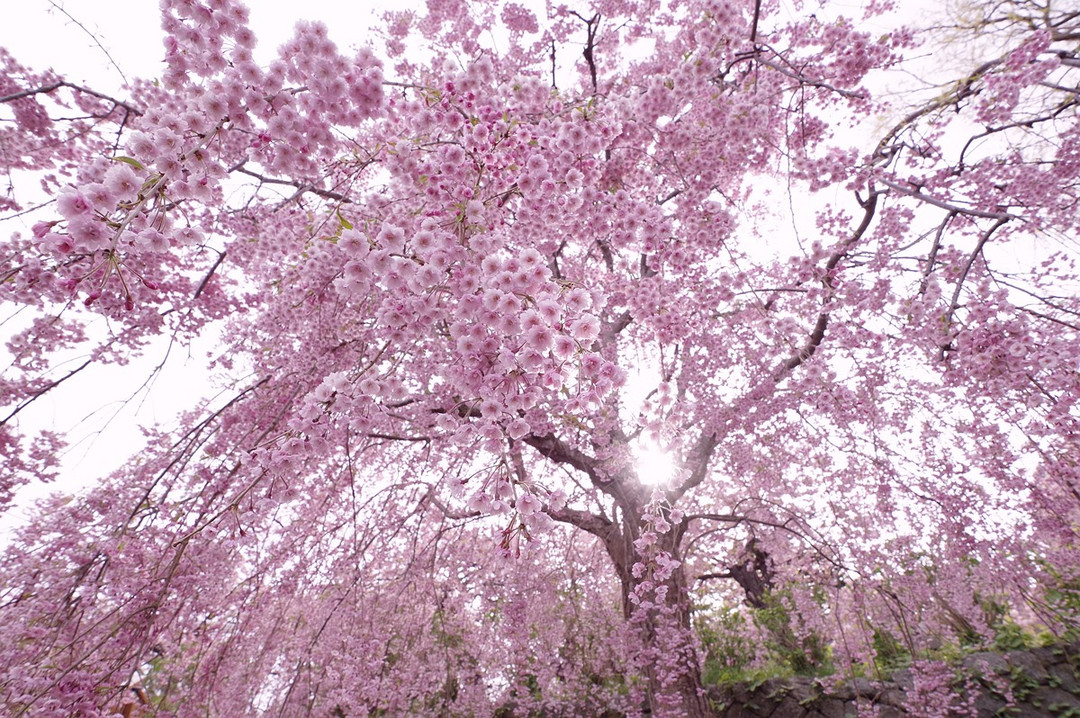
(954, 303)
(817, 334)
(128, 108)
(42, 391)
(209, 274)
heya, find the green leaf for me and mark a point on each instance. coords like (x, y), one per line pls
(130, 161)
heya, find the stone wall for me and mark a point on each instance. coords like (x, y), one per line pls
(1037, 682)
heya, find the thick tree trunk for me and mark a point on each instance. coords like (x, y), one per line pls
(660, 618)
(675, 687)
(667, 646)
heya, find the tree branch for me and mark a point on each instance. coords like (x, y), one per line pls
(613, 328)
(202, 284)
(963, 89)
(954, 304)
(754, 24)
(698, 465)
(446, 511)
(914, 193)
(52, 87)
(300, 186)
(620, 487)
(590, 44)
(42, 391)
(555, 450)
(598, 526)
(931, 259)
(817, 335)
(93, 36)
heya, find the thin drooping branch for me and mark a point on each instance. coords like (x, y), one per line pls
(954, 303)
(189, 443)
(93, 36)
(794, 525)
(740, 518)
(961, 91)
(817, 334)
(697, 461)
(54, 86)
(446, 511)
(209, 275)
(42, 391)
(231, 506)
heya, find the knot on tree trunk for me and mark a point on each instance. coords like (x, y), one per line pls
(754, 572)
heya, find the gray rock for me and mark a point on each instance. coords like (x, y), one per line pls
(1044, 682)
(987, 664)
(891, 696)
(1063, 675)
(789, 708)
(858, 688)
(1028, 663)
(903, 679)
(834, 708)
(988, 705)
(1044, 697)
(890, 712)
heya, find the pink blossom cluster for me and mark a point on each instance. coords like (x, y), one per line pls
(223, 111)
(655, 565)
(1024, 67)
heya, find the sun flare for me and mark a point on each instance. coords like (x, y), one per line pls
(654, 465)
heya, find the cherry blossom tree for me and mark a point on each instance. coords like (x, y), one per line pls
(461, 276)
